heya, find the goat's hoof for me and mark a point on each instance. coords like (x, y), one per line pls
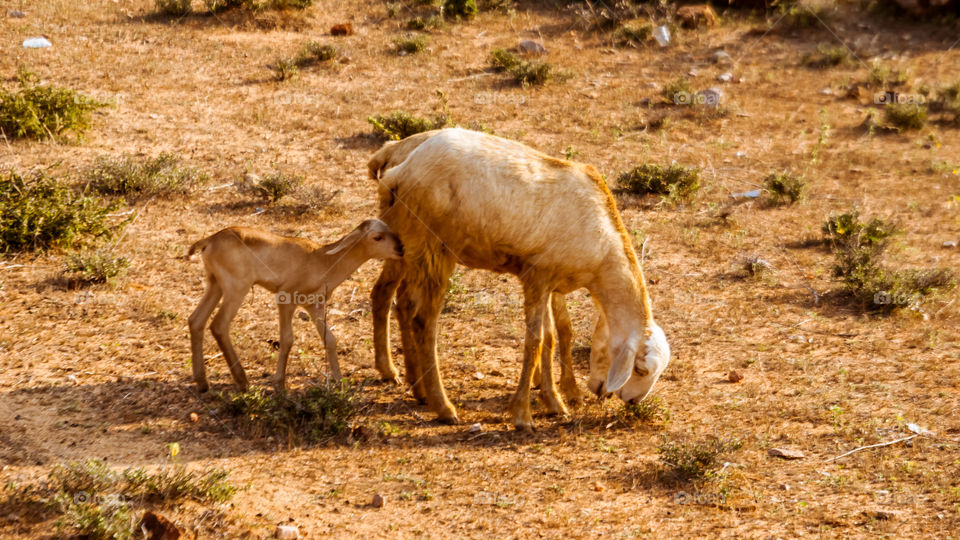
(448, 420)
(523, 426)
(203, 387)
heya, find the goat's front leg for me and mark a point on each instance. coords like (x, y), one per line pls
(286, 342)
(535, 306)
(198, 323)
(561, 321)
(318, 314)
(381, 298)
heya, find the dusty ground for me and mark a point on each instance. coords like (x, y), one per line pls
(104, 373)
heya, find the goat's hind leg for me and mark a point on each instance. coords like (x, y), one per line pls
(221, 332)
(536, 302)
(198, 323)
(286, 343)
(561, 321)
(318, 314)
(548, 390)
(413, 370)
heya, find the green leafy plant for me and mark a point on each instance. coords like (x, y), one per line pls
(674, 183)
(311, 54)
(881, 76)
(678, 91)
(631, 36)
(43, 212)
(38, 111)
(400, 125)
(688, 459)
(134, 179)
(905, 116)
(525, 72)
(277, 185)
(310, 415)
(466, 9)
(411, 44)
(100, 266)
(785, 188)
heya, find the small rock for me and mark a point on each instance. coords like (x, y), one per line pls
(692, 72)
(345, 29)
(531, 47)
(711, 97)
(721, 57)
(287, 532)
(598, 486)
(16, 14)
(653, 85)
(73, 379)
(786, 453)
(478, 376)
(734, 376)
(378, 500)
(37, 43)
(158, 527)
(725, 77)
(194, 417)
(949, 244)
(785, 487)
(475, 428)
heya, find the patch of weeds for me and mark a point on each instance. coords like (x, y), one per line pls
(905, 116)
(285, 69)
(947, 101)
(400, 125)
(276, 186)
(678, 91)
(525, 72)
(174, 8)
(310, 415)
(163, 176)
(311, 54)
(695, 460)
(827, 57)
(316, 198)
(755, 266)
(648, 411)
(881, 76)
(410, 44)
(795, 14)
(37, 111)
(91, 267)
(631, 35)
(465, 9)
(176, 483)
(674, 183)
(419, 23)
(859, 250)
(43, 212)
(217, 6)
(785, 188)
(110, 520)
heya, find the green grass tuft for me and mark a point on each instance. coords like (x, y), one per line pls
(36, 111)
(632, 36)
(174, 8)
(400, 125)
(785, 188)
(43, 212)
(524, 72)
(277, 185)
(411, 44)
(695, 460)
(163, 176)
(905, 116)
(305, 416)
(674, 184)
(678, 91)
(466, 9)
(827, 57)
(94, 267)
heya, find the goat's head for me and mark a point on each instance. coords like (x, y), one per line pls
(629, 368)
(376, 238)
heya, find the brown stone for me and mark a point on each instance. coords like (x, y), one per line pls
(786, 453)
(345, 29)
(158, 527)
(378, 500)
(734, 376)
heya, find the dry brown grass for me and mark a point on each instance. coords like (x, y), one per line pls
(103, 373)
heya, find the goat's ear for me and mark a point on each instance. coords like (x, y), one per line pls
(622, 366)
(347, 242)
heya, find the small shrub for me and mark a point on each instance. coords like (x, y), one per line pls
(905, 116)
(678, 92)
(38, 111)
(524, 72)
(881, 76)
(785, 188)
(43, 212)
(311, 54)
(285, 69)
(316, 197)
(89, 267)
(90, 476)
(410, 44)
(174, 8)
(798, 15)
(276, 186)
(859, 249)
(632, 36)
(176, 483)
(109, 520)
(310, 415)
(650, 411)
(419, 23)
(826, 57)
(216, 6)
(694, 460)
(401, 125)
(466, 9)
(674, 183)
(163, 176)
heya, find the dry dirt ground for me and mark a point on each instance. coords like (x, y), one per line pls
(104, 373)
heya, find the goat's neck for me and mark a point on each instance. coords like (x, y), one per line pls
(622, 296)
(337, 267)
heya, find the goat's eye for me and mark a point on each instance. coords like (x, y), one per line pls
(377, 238)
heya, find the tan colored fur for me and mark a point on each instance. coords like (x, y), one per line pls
(301, 272)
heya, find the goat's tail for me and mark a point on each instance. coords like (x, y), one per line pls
(197, 246)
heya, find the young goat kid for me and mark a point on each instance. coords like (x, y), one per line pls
(300, 272)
